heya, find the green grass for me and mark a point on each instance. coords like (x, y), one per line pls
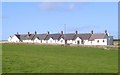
(30, 58)
(0, 58)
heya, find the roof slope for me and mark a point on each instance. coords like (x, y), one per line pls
(41, 36)
(83, 36)
(53, 36)
(97, 36)
(25, 36)
(68, 36)
(71, 36)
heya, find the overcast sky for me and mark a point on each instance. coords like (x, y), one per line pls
(23, 17)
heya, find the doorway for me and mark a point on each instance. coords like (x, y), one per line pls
(78, 42)
(65, 41)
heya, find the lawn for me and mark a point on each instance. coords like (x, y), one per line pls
(31, 58)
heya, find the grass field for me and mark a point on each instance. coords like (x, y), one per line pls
(30, 58)
(0, 59)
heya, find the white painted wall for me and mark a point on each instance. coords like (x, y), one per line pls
(28, 41)
(14, 39)
(61, 41)
(76, 40)
(89, 42)
(44, 41)
(51, 41)
(69, 41)
(9, 39)
(95, 42)
(36, 40)
(86, 42)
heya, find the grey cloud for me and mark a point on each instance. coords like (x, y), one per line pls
(56, 6)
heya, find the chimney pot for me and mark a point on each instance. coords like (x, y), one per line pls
(17, 33)
(91, 31)
(28, 33)
(48, 32)
(61, 32)
(105, 31)
(35, 32)
(76, 32)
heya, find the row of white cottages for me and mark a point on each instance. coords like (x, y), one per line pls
(60, 38)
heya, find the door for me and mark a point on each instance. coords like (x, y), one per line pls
(65, 41)
(78, 42)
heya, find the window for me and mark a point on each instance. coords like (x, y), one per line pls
(103, 41)
(98, 41)
(61, 41)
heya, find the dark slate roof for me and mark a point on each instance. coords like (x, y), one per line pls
(85, 36)
(97, 36)
(21, 37)
(25, 36)
(68, 36)
(53, 36)
(72, 36)
(40, 36)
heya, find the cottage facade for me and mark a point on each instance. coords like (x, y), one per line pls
(60, 38)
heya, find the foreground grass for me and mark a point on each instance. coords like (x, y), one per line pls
(0, 58)
(20, 58)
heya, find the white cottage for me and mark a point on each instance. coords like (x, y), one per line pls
(13, 38)
(37, 40)
(61, 41)
(40, 38)
(68, 38)
(100, 39)
(60, 38)
(53, 38)
(82, 39)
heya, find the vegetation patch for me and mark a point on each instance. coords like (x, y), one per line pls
(34, 58)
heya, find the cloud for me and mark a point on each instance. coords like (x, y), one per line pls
(47, 6)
